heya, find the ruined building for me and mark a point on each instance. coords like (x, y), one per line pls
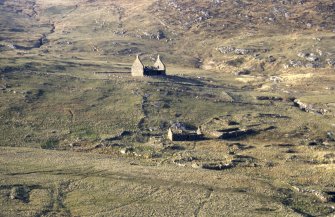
(179, 134)
(138, 69)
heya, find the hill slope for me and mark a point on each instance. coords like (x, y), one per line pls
(193, 33)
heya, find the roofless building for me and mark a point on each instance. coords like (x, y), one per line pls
(139, 70)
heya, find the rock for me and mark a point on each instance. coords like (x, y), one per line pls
(317, 142)
(312, 58)
(3, 87)
(160, 35)
(309, 108)
(293, 63)
(244, 51)
(11, 46)
(127, 150)
(323, 197)
(244, 161)
(275, 79)
(243, 72)
(226, 50)
(331, 136)
(123, 151)
(331, 62)
(313, 65)
(271, 59)
(195, 165)
(319, 52)
(303, 54)
(20, 193)
(236, 133)
(119, 136)
(241, 51)
(74, 144)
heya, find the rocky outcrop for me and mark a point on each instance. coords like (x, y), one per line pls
(309, 107)
(241, 51)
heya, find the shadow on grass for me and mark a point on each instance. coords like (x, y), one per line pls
(180, 80)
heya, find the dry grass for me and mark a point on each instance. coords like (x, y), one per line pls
(75, 94)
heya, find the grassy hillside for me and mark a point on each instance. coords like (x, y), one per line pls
(184, 32)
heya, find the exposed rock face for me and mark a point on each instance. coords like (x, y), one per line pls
(241, 51)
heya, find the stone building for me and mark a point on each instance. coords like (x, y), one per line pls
(138, 68)
(175, 134)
